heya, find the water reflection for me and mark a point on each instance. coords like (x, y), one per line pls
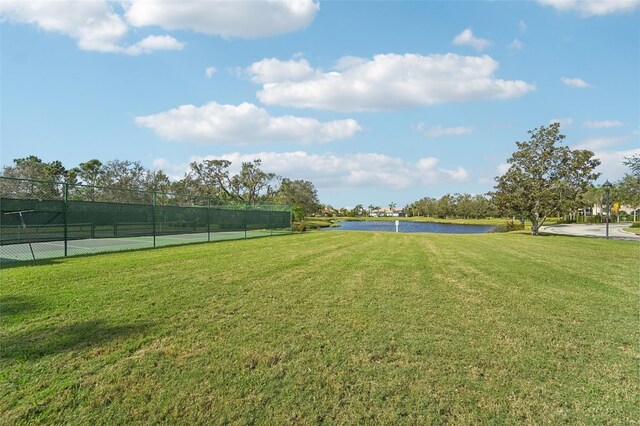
(407, 226)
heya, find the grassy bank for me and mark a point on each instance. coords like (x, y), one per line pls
(327, 327)
(634, 228)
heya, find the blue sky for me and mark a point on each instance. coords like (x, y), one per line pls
(374, 102)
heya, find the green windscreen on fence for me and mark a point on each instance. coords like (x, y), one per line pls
(46, 219)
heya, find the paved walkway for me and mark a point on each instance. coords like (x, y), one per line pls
(597, 230)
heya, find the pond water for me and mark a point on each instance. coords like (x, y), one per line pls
(407, 226)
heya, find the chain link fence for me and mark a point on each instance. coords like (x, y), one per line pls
(48, 219)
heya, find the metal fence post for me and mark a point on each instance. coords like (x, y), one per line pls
(291, 219)
(244, 219)
(271, 218)
(153, 216)
(208, 219)
(66, 229)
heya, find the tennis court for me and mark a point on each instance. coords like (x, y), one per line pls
(40, 220)
(53, 249)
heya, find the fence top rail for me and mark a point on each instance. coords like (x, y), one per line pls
(31, 180)
(217, 205)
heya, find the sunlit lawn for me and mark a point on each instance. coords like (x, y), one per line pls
(331, 327)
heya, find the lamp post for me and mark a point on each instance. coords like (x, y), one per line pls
(607, 187)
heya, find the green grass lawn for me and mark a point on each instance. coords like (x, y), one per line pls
(332, 327)
(632, 230)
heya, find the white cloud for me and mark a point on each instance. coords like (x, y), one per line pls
(347, 62)
(384, 82)
(562, 121)
(458, 174)
(210, 71)
(333, 171)
(593, 7)
(273, 70)
(175, 171)
(438, 131)
(152, 43)
(516, 44)
(242, 124)
(96, 25)
(244, 19)
(93, 24)
(611, 165)
(605, 124)
(575, 82)
(593, 144)
(466, 38)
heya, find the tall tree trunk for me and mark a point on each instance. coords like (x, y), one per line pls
(534, 225)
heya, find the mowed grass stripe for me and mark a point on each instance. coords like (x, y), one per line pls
(334, 327)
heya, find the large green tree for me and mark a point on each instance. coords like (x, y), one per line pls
(301, 194)
(544, 177)
(444, 206)
(123, 174)
(206, 178)
(90, 171)
(424, 207)
(213, 178)
(156, 181)
(33, 167)
(48, 176)
(628, 188)
(253, 185)
(125, 181)
(633, 163)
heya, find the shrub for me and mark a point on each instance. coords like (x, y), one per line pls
(564, 221)
(299, 227)
(316, 223)
(298, 213)
(509, 226)
(635, 225)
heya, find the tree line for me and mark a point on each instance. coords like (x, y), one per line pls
(544, 179)
(207, 178)
(459, 206)
(456, 206)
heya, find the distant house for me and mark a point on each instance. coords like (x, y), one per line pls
(599, 209)
(328, 212)
(385, 212)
